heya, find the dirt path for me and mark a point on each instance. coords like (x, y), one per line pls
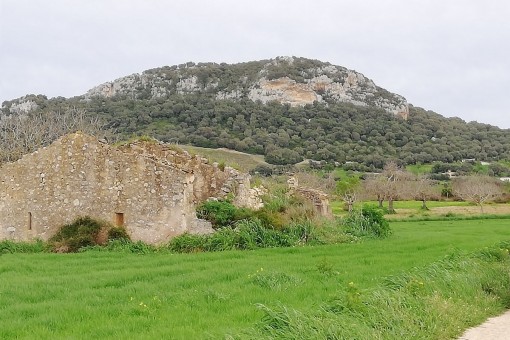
(497, 328)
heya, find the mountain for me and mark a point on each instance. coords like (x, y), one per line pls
(287, 80)
(286, 108)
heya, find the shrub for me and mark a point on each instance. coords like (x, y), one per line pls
(246, 234)
(118, 233)
(84, 232)
(187, 243)
(219, 213)
(262, 170)
(270, 219)
(369, 221)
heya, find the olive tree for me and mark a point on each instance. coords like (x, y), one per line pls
(477, 189)
(423, 189)
(349, 190)
(391, 184)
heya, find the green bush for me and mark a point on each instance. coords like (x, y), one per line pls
(369, 221)
(118, 233)
(83, 232)
(219, 213)
(246, 234)
(187, 243)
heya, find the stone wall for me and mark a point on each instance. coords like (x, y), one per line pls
(317, 198)
(148, 187)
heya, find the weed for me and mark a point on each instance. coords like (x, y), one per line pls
(208, 295)
(274, 280)
(325, 267)
(369, 221)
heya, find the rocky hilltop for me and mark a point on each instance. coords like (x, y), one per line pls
(288, 80)
(287, 109)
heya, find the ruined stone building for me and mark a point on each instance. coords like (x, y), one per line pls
(147, 187)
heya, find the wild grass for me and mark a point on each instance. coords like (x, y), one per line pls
(433, 302)
(7, 247)
(151, 294)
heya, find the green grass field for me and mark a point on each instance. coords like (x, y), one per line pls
(419, 169)
(208, 295)
(239, 160)
(338, 206)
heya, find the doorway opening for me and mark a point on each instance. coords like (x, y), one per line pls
(119, 219)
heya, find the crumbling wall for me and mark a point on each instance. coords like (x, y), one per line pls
(148, 187)
(319, 199)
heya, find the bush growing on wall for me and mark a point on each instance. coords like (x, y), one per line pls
(84, 232)
(221, 213)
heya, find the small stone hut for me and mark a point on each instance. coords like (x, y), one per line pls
(147, 187)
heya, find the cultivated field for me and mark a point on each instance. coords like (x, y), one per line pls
(212, 295)
(437, 209)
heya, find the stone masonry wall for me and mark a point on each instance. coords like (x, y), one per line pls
(150, 189)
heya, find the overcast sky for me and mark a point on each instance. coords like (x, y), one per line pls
(449, 56)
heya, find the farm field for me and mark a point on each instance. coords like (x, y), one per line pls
(409, 209)
(209, 295)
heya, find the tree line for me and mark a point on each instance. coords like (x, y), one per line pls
(395, 183)
(365, 137)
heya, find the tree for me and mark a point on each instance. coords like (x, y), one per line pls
(423, 188)
(282, 156)
(348, 190)
(374, 186)
(395, 183)
(476, 189)
(24, 133)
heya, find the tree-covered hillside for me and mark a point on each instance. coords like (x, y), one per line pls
(223, 114)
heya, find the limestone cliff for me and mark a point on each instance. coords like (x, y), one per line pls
(294, 81)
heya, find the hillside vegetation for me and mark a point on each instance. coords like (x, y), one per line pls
(286, 110)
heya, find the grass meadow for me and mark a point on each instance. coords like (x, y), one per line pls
(239, 160)
(437, 209)
(212, 295)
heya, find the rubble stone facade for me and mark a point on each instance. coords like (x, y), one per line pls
(147, 187)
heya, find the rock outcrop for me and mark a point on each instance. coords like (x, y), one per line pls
(321, 82)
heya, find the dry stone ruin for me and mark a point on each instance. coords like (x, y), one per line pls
(147, 187)
(317, 198)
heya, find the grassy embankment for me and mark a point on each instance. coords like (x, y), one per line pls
(162, 295)
(239, 160)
